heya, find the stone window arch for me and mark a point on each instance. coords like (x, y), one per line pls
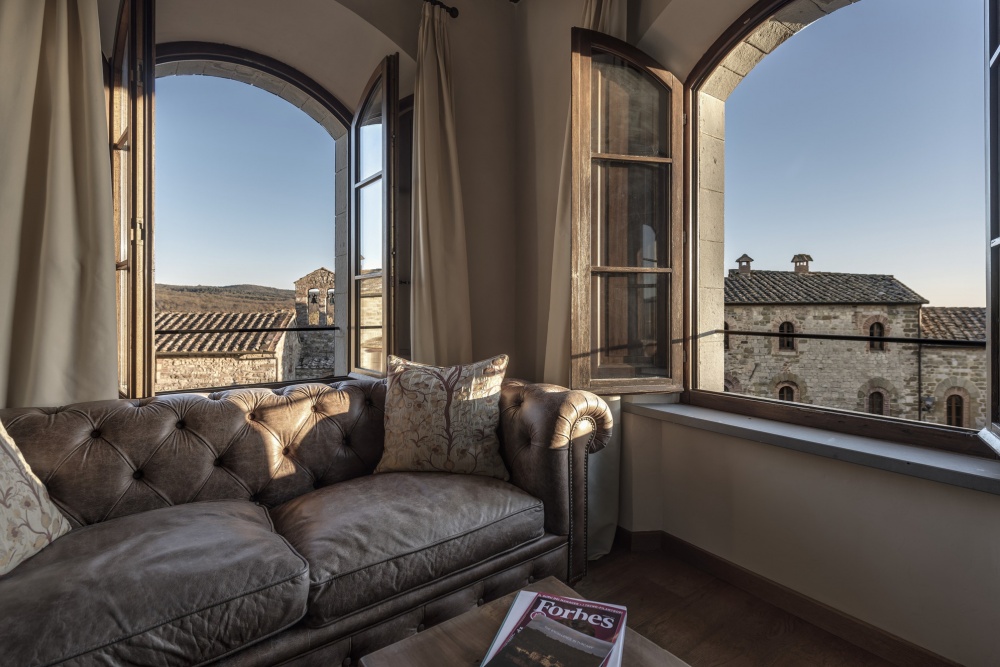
(936, 403)
(873, 327)
(787, 391)
(732, 385)
(790, 382)
(887, 397)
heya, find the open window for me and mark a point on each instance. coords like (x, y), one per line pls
(132, 73)
(373, 199)
(627, 219)
(337, 321)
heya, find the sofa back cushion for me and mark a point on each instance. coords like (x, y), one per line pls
(108, 459)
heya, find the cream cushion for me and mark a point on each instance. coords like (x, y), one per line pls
(443, 419)
(29, 520)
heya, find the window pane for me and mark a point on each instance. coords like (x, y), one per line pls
(631, 208)
(370, 302)
(370, 136)
(630, 328)
(370, 336)
(630, 112)
(370, 227)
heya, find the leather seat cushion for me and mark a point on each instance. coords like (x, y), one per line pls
(175, 586)
(374, 537)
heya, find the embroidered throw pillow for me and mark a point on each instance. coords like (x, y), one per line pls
(443, 419)
(29, 520)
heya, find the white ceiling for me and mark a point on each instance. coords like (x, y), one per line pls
(321, 38)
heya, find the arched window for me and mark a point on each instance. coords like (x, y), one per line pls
(955, 410)
(876, 403)
(786, 342)
(876, 330)
(727, 385)
(786, 392)
(725, 337)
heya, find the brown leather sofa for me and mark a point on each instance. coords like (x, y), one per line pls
(245, 527)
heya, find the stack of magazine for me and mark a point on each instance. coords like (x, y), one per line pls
(554, 631)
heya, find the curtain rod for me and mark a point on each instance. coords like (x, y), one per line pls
(452, 11)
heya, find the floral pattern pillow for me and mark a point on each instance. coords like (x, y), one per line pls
(443, 419)
(29, 520)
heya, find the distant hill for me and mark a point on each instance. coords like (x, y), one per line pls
(231, 299)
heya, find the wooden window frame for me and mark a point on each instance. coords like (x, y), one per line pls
(786, 342)
(386, 75)
(584, 269)
(876, 345)
(948, 411)
(922, 434)
(131, 114)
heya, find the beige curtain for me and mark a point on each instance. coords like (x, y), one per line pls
(57, 267)
(607, 16)
(441, 311)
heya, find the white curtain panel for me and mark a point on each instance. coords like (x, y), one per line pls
(441, 325)
(604, 472)
(57, 267)
(607, 16)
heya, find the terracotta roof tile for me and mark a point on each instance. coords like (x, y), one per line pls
(953, 323)
(220, 343)
(763, 287)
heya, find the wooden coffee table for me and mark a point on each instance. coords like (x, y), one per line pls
(464, 640)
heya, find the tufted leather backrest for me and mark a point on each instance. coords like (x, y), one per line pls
(108, 459)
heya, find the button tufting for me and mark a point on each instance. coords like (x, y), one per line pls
(479, 602)
(369, 402)
(181, 424)
(531, 579)
(95, 434)
(314, 409)
(217, 463)
(138, 474)
(347, 661)
(316, 484)
(420, 628)
(251, 416)
(286, 450)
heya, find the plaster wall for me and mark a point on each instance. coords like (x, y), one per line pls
(916, 558)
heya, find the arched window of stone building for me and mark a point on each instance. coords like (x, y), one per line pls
(876, 403)
(955, 410)
(876, 330)
(786, 342)
(786, 392)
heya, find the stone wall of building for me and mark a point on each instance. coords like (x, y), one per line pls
(175, 373)
(836, 374)
(956, 370)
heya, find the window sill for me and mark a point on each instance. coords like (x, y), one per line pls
(968, 472)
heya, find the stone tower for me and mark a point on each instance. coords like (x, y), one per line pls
(314, 308)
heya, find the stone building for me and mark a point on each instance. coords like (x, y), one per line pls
(205, 360)
(314, 306)
(930, 383)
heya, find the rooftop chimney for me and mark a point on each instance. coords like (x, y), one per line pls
(744, 263)
(801, 263)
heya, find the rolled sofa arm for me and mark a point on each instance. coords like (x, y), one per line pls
(546, 433)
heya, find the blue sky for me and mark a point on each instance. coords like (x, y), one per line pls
(244, 186)
(860, 141)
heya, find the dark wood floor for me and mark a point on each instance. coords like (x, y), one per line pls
(705, 621)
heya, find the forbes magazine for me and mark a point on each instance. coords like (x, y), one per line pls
(560, 632)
